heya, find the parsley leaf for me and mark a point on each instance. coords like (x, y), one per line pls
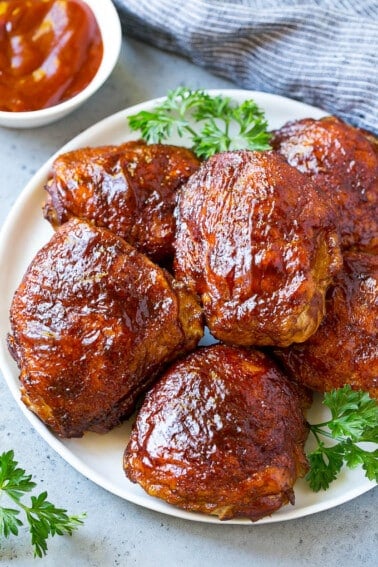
(354, 419)
(43, 517)
(325, 465)
(9, 522)
(220, 123)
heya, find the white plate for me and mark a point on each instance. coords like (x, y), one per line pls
(99, 457)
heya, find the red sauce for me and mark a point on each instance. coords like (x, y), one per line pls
(49, 51)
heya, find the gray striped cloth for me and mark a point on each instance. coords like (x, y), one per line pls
(323, 52)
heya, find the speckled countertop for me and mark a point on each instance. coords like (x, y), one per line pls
(117, 532)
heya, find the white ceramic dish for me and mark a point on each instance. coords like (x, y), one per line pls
(110, 27)
(99, 457)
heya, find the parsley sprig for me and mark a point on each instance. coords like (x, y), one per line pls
(354, 419)
(213, 123)
(43, 517)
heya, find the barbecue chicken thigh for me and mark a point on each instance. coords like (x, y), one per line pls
(344, 350)
(130, 189)
(255, 241)
(343, 162)
(222, 432)
(93, 323)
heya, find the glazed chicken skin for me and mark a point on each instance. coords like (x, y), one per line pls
(222, 432)
(130, 189)
(255, 241)
(93, 323)
(343, 162)
(344, 350)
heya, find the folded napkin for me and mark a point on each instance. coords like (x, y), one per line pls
(318, 51)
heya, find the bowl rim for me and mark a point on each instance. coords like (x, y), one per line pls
(111, 33)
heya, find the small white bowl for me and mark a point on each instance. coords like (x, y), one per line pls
(110, 27)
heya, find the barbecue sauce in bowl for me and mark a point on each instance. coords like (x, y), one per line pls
(50, 50)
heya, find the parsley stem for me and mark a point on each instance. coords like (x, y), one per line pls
(190, 130)
(315, 431)
(227, 129)
(318, 429)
